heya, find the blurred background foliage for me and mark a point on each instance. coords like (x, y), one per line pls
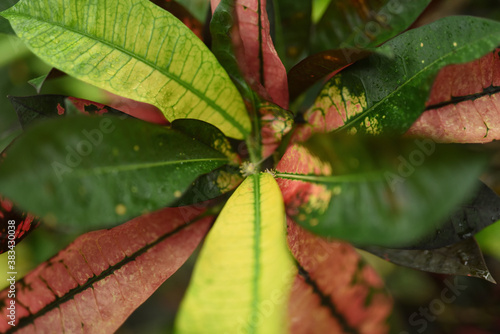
(476, 309)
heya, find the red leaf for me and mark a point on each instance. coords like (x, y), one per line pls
(334, 292)
(103, 276)
(254, 49)
(22, 221)
(464, 104)
(144, 111)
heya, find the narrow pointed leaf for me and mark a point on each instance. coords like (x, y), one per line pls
(156, 59)
(41, 107)
(464, 103)
(315, 67)
(88, 172)
(379, 191)
(244, 268)
(254, 49)
(482, 210)
(335, 291)
(14, 221)
(381, 94)
(102, 277)
(462, 258)
(365, 23)
(38, 83)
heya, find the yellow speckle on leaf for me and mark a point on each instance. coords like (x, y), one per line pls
(336, 190)
(423, 61)
(136, 148)
(455, 44)
(313, 222)
(177, 194)
(120, 209)
(421, 45)
(50, 219)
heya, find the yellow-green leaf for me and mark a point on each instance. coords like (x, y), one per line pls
(244, 273)
(135, 49)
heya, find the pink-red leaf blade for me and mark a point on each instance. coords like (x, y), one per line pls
(334, 292)
(464, 104)
(254, 49)
(101, 278)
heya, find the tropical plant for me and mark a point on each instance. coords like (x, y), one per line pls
(282, 160)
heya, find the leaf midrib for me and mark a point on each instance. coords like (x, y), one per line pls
(369, 110)
(132, 167)
(333, 179)
(201, 96)
(256, 249)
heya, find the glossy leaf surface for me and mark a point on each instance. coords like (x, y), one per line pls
(335, 291)
(146, 62)
(381, 94)
(393, 181)
(102, 277)
(463, 258)
(464, 104)
(244, 273)
(95, 171)
(365, 23)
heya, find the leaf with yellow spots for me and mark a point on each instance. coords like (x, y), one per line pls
(376, 191)
(135, 49)
(103, 276)
(383, 94)
(244, 273)
(106, 169)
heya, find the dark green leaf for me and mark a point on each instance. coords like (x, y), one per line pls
(470, 218)
(219, 181)
(207, 134)
(221, 25)
(39, 107)
(462, 258)
(295, 27)
(365, 23)
(94, 171)
(383, 191)
(211, 185)
(381, 94)
(313, 68)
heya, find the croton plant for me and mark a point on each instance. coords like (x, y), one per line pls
(283, 136)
